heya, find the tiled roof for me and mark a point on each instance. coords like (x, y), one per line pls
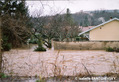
(85, 28)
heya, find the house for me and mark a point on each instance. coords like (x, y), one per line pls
(107, 31)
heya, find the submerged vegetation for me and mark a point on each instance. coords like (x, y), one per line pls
(109, 49)
(40, 46)
(2, 75)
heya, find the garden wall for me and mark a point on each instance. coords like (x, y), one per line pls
(89, 45)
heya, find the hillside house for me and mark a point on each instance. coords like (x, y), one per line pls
(107, 31)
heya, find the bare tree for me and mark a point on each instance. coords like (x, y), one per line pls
(57, 26)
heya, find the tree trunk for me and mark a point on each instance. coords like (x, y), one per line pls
(0, 46)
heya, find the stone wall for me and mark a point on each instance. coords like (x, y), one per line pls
(89, 45)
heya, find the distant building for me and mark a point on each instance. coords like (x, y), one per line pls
(85, 28)
(107, 31)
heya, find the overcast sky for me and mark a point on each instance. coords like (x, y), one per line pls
(52, 7)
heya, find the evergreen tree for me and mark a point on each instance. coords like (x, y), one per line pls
(68, 18)
(86, 22)
(70, 26)
(15, 21)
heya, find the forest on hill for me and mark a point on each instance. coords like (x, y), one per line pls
(92, 18)
(89, 18)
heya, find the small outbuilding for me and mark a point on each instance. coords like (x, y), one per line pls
(107, 31)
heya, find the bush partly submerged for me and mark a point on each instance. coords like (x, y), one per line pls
(109, 49)
(40, 49)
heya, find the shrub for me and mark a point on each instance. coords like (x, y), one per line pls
(42, 80)
(38, 81)
(40, 46)
(109, 49)
(77, 38)
(2, 75)
(5, 45)
(40, 49)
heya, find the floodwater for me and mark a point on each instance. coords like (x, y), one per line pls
(27, 62)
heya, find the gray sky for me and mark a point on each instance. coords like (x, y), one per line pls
(52, 7)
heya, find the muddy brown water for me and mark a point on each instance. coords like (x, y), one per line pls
(27, 62)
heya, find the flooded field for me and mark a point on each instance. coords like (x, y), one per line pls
(26, 62)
